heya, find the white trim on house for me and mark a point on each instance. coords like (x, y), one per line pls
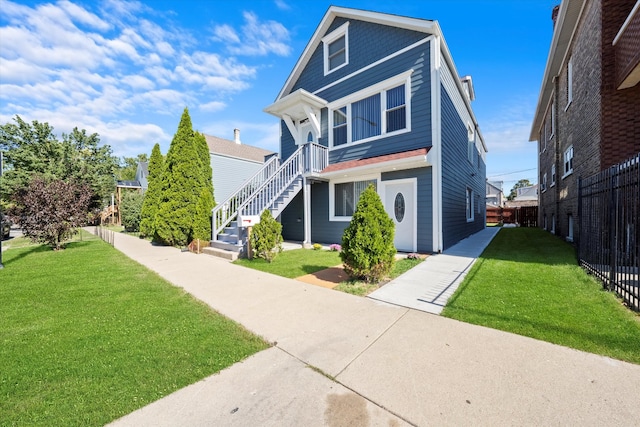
(434, 157)
(341, 31)
(382, 192)
(381, 88)
(373, 64)
(332, 194)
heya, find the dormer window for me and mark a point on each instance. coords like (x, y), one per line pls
(336, 49)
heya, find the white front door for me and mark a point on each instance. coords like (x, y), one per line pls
(400, 204)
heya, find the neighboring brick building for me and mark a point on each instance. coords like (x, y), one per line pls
(588, 113)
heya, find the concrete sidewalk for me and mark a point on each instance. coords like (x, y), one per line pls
(429, 285)
(382, 364)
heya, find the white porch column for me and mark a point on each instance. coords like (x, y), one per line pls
(306, 193)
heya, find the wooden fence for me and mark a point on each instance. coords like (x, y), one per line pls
(609, 228)
(524, 216)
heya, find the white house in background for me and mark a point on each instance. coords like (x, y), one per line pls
(233, 163)
(525, 196)
(495, 195)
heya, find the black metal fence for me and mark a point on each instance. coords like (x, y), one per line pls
(609, 228)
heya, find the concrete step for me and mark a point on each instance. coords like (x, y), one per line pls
(221, 253)
(226, 246)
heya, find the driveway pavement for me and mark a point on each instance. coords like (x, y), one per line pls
(339, 359)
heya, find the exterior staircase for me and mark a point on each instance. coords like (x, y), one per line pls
(272, 187)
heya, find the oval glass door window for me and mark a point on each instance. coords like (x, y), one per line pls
(398, 207)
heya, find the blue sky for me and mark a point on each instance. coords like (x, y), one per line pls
(127, 69)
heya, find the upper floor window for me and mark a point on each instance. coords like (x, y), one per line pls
(544, 182)
(470, 143)
(569, 82)
(469, 204)
(371, 113)
(336, 49)
(568, 161)
(553, 119)
(553, 175)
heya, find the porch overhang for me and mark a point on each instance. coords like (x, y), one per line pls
(296, 107)
(391, 162)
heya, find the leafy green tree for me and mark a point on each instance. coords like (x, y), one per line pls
(130, 209)
(128, 166)
(368, 252)
(32, 149)
(520, 184)
(49, 211)
(266, 237)
(152, 195)
(182, 185)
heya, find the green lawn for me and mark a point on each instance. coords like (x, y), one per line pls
(299, 262)
(89, 335)
(528, 282)
(294, 263)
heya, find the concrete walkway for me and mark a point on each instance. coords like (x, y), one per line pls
(344, 360)
(428, 286)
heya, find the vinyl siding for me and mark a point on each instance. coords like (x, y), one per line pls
(368, 43)
(458, 174)
(425, 197)
(292, 219)
(323, 230)
(229, 174)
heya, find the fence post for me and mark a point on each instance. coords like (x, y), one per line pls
(612, 230)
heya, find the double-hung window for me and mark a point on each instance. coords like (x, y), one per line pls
(336, 49)
(371, 113)
(568, 161)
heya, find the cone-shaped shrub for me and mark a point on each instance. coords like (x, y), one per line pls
(266, 237)
(152, 195)
(181, 187)
(202, 222)
(368, 252)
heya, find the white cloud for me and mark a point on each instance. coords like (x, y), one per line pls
(282, 5)
(258, 38)
(212, 107)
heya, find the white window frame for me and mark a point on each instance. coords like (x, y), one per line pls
(341, 31)
(570, 228)
(332, 193)
(544, 182)
(469, 205)
(569, 83)
(471, 145)
(553, 175)
(381, 88)
(553, 119)
(567, 158)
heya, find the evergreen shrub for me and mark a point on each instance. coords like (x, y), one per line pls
(266, 237)
(368, 252)
(130, 210)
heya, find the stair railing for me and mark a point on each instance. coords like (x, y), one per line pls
(260, 194)
(223, 213)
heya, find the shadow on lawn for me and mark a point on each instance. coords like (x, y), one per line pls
(308, 268)
(8, 260)
(600, 340)
(530, 245)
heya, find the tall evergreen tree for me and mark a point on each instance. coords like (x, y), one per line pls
(152, 195)
(182, 184)
(206, 202)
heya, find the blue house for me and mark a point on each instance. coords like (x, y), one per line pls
(374, 99)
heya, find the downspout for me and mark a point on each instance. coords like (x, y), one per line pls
(436, 144)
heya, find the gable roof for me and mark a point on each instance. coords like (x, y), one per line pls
(228, 148)
(430, 27)
(422, 25)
